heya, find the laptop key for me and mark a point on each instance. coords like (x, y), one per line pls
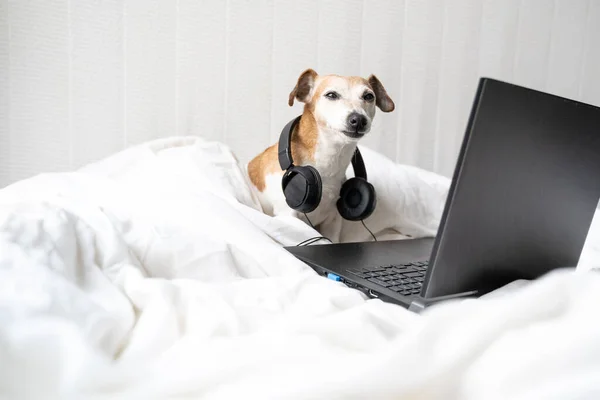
(413, 274)
(379, 282)
(355, 272)
(397, 288)
(409, 270)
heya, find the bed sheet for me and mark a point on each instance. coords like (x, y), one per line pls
(154, 274)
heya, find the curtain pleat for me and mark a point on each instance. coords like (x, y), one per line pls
(82, 80)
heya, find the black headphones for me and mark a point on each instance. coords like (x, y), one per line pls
(302, 184)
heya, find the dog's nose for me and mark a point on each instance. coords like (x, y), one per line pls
(357, 121)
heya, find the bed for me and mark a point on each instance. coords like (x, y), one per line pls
(153, 273)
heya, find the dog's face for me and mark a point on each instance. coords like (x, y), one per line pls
(342, 104)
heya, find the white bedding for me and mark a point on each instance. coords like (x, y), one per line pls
(153, 274)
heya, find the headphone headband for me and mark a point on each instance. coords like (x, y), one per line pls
(285, 144)
(359, 165)
(285, 151)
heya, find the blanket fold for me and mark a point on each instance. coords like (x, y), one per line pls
(153, 273)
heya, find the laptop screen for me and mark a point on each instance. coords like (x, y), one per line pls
(524, 192)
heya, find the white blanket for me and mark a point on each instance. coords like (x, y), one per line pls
(153, 274)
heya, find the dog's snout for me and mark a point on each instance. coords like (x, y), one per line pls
(356, 121)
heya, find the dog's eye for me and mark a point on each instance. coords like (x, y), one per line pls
(368, 97)
(332, 95)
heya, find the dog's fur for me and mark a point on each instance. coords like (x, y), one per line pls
(324, 138)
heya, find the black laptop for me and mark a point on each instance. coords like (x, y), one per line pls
(522, 198)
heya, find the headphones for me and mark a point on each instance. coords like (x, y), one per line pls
(302, 184)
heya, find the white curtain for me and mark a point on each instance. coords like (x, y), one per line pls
(81, 79)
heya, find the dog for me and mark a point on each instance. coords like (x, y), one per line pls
(338, 112)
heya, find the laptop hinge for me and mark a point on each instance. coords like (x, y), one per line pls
(419, 303)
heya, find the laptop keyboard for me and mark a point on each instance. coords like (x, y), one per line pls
(405, 279)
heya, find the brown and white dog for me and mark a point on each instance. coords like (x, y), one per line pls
(338, 112)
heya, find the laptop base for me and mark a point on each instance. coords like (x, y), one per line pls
(336, 261)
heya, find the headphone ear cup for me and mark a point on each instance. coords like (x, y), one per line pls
(302, 188)
(357, 199)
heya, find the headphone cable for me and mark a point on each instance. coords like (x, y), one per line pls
(310, 223)
(317, 238)
(313, 240)
(363, 222)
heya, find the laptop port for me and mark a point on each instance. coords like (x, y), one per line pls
(334, 277)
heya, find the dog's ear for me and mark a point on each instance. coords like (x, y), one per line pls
(304, 87)
(383, 100)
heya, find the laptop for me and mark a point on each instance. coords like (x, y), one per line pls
(522, 198)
